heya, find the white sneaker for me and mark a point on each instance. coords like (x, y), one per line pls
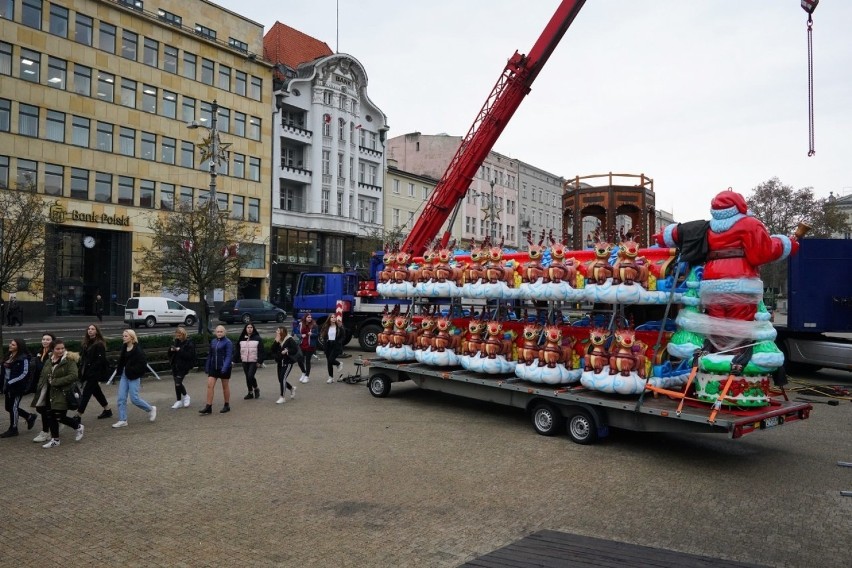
(78, 435)
(281, 400)
(178, 404)
(330, 380)
(152, 415)
(340, 370)
(292, 393)
(42, 437)
(120, 424)
(186, 401)
(52, 443)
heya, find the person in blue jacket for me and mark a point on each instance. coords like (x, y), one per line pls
(220, 358)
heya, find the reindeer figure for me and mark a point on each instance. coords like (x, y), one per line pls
(401, 273)
(430, 257)
(597, 356)
(560, 269)
(426, 333)
(387, 326)
(600, 268)
(554, 352)
(401, 336)
(495, 343)
(472, 344)
(386, 274)
(443, 270)
(495, 269)
(529, 348)
(476, 269)
(628, 268)
(627, 355)
(532, 269)
(443, 338)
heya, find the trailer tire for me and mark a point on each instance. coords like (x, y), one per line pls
(369, 337)
(547, 420)
(581, 428)
(379, 385)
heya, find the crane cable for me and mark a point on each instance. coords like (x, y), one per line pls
(809, 6)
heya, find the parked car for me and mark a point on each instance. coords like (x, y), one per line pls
(250, 310)
(151, 310)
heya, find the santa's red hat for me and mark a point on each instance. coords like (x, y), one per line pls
(728, 199)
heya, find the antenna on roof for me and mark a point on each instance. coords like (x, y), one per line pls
(337, 29)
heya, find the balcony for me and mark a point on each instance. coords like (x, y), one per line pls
(294, 171)
(377, 154)
(293, 132)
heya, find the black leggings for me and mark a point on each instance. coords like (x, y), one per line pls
(332, 351)
(283, 372)
(13, 407)
(305, 363)
(92, 388)
(57, 416)
(250, 369)
(180, 390)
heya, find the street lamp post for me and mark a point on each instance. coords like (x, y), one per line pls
(491, 212)
(213, 149)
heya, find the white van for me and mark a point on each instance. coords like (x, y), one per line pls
(149, 311)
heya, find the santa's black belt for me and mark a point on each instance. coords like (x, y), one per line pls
(725, 253)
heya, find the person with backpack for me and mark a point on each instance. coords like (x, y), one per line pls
(287, 352)
(94, 368)
(250, 354)
(18, 370)
(182, 361)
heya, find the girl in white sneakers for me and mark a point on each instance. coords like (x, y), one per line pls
(307, 335)
(287, 353)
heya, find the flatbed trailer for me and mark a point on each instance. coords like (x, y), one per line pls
(587, 414)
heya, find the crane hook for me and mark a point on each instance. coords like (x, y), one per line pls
(809, 6)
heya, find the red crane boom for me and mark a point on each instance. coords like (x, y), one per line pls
(505, 98)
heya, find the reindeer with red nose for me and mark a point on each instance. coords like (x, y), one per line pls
(386, 274)
(387, 325)
(628, 268)
(561, 269)
(443, 270)
(496, 270)
(627, 355)
(401, 336)
(597, 355)
(532, 269)
(430, 258)
(529, 350)
(472, 344)
(600, 269)
(475, 271)
(554, 352)
(443, 338)
(401, 273)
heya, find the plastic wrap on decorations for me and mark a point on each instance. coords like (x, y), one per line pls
(760, 363)
(541, 290)
(558, 375)
(738, 329)
(434, 289)
(609, 293)
(746, 392)
(613, 384)
(437, 358)
(479, 364)
(396, 354)
(731, 291)
(396, 289)
(498, 291)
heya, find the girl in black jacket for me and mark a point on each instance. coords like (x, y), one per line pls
(182, 359)
(16, 375)
(132, 364)
(287, 353)
(94, 368)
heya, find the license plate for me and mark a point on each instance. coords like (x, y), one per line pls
(771, 422)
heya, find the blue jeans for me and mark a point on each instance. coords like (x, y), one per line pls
(125, 386)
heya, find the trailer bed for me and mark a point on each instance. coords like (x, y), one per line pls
(589, 413)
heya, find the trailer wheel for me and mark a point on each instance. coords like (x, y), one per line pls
(581, 428)
(369, 337)
(379, 385)
(547, 420)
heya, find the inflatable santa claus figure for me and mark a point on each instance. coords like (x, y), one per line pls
(736, 244)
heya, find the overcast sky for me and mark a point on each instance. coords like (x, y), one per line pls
(699, 95)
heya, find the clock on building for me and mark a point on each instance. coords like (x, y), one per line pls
(89, 241)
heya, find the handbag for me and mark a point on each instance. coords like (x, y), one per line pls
(73, 396)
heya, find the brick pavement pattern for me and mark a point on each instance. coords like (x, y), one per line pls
(339, 478)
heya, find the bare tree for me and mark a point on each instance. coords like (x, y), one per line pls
(194, 251)
(22, 241)
(781, 208)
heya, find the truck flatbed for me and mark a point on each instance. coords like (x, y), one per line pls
(588, 414)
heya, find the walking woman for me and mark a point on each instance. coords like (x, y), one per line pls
(182, 360)
(286, 351)
(250, 354)
(44, 355)
(331, 334)
(220, 358)
(16, 375)
(57, 376)
(132, 365)
(307, 336)
(94, 369)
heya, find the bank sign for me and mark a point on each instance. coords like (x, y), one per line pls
(59, 215)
